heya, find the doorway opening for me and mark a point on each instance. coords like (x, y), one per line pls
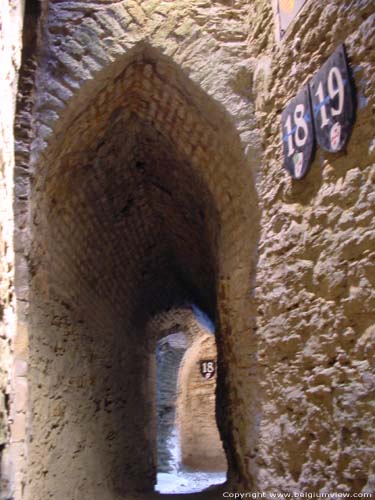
(141, 203)
(190, 455)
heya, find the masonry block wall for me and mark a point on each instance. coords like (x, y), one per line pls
(169, 353)
(315, 278)
(13, 385)
(132, 175)
(201, 446)
(158, 180)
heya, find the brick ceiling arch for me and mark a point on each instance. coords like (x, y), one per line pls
(154, 167)
(142, 201)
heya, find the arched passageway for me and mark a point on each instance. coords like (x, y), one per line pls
(190, 455)
(141, 203)
(201, 447)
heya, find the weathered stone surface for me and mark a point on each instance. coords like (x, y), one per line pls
(201, 447)
(315, 283)
(146, 179)
(10, 54)
(169, 353)
(157, 126)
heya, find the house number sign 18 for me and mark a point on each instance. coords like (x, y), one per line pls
(298, 135)
(328, 117)
(208, 368)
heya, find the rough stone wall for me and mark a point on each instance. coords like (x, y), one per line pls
(201, 446)
(296, 400)
(12, 379)
(315, 284)
(138, 205)
(178, 387)
(169, 353)
(92, 407)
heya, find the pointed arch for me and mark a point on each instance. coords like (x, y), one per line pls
(142, 201)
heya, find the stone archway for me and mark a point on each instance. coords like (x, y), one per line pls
(185, 399)
(201, 446)
(141, 202)
(306, 325)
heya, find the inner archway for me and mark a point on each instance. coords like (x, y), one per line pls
(190, 455)
(142, 203)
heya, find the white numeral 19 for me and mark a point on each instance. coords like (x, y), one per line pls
(335, 86)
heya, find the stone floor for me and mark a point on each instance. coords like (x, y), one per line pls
(212, 494)
(180, 481)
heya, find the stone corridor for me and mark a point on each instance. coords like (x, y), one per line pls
(142, 146)
(125, 227)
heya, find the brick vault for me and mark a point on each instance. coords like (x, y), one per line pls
(136, 208)
(141, 172)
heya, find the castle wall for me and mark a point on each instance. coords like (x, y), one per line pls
(315, 278)
(138, 204)
(201, 446)
(210, 80)
(169, 353)
(12, 373)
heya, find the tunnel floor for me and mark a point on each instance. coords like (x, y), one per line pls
(211, 494)
(188, 482)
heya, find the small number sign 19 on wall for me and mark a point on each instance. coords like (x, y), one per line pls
(333, 103)
(298, 135)
(323, 110)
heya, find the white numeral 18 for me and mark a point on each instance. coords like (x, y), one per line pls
(301, 132)
(208, 367)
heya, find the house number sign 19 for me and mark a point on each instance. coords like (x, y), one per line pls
(333, 102)
(328, 118)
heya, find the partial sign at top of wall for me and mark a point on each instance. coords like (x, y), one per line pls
(287, 10)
